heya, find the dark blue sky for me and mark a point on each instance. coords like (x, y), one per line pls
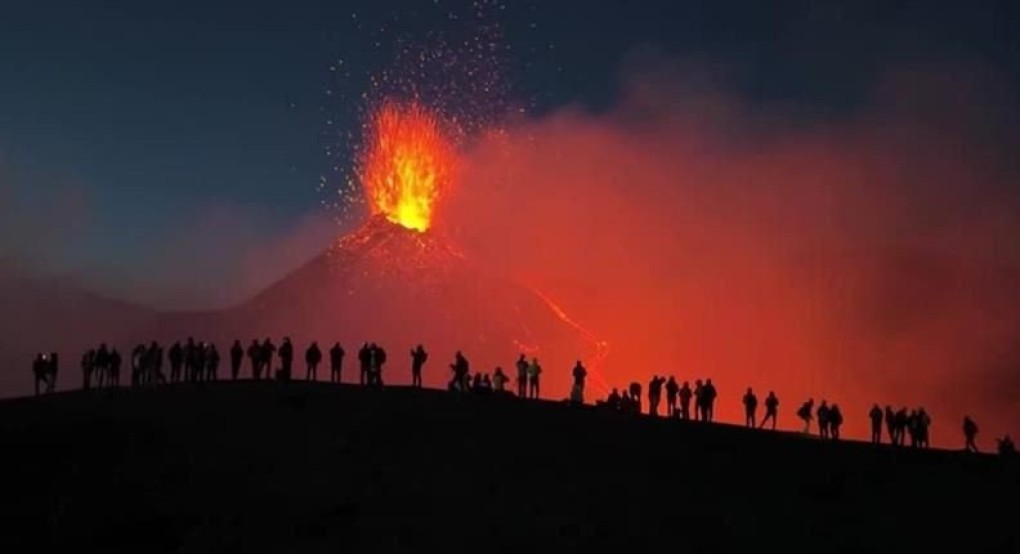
(149, 109)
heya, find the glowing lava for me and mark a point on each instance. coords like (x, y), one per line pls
(406, 164)
(601, 346)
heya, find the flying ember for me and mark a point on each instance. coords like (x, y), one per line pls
(406, 164)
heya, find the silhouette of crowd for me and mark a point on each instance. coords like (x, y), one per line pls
(194, 362)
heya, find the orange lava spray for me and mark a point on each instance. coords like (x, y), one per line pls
(407, 164)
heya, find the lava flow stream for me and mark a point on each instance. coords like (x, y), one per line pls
(601, 346)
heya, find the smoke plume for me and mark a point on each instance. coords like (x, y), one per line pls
(857, 257)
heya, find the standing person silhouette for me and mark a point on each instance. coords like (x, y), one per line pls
(236, 357)
(579, 374)
(750, 408)
(771, 410)
(534, 375)
(418, 358)
(313, 357)
(336, 362)
(876, 415)
(522, 377)
(970, 431)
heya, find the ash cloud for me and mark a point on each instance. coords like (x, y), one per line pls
(860, 257)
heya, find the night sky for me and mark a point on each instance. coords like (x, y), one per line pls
(130, 128)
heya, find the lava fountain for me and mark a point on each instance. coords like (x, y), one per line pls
(406, 165)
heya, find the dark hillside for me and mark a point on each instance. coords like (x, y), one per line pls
(317, 468)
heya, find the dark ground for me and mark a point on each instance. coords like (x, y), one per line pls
(317, 468)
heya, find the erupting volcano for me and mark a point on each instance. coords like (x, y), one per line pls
(399, 280)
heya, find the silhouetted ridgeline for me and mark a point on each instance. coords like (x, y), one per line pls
(297, 467)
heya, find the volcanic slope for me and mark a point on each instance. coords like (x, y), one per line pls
(397, 287)
(307, 467)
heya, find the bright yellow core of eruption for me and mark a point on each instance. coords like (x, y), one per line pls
(407, 164)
